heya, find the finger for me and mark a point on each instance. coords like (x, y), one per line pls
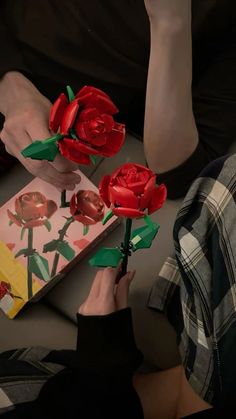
(93, 293)
(108, 281)
(62, 164)
(122, 290)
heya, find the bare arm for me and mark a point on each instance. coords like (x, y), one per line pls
(170, 133)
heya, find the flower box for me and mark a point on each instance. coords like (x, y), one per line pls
(40, 242)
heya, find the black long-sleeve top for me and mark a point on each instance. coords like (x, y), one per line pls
(96, 382)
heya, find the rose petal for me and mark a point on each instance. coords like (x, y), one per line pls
(95, 100)
(69, 116)
(103, 190)
(127, 212)
(57, 111)
(14, 218)
(81, 244)
(83, 131)
(148, 191)
(83, 148)
(158, 198)
(34, 223)
(51, 208)
(70, 149)
(123, 197)
(73, 204)
(88, 114)
(84, 219)
(115, 140)
(90, 89)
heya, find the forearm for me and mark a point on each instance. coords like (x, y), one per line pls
(170, 133)
(14, 86)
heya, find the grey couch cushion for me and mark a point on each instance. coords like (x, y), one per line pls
(37, 325)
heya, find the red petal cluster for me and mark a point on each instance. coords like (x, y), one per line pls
(87, 207)
(32, 209)
(87, 125)
(131, 191)
(5, 288)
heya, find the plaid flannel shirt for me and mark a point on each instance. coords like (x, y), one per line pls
(197, 286)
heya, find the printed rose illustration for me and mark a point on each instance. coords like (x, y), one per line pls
(131, 191)
(5, 289)
(87, 208)
(33, 210)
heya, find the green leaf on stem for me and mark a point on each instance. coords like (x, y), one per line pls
(65, 250)
(106, 257)
(107, 217)
(142, 237)
(48, 225)
(39, 150)
(85, 230)
(22, 252)
(39, 266)
(50, 246)
(71, 95)
(23, 230)
(10, 222)
(93, 159)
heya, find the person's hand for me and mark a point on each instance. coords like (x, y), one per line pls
(105, 296)
(26, 113)
(168, 11)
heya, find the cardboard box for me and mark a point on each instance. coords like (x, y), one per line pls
(40, 242)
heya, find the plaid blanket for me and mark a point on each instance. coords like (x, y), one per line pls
(23, 373)
(197, 286)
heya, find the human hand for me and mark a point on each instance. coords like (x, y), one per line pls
(26, 113)
(105, 295)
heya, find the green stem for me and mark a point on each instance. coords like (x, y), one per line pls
(63, 199)
(53, 139)
(126, 246)
(62, 233)
(30, 249)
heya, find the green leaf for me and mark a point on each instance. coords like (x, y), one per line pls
(21, 252)
(106, 257)
(65, 250)
(50, 246)
(107, 217)
(71, 95)
(23, 230)
(10, 222)
(41, 151)
(39, 266)
(148, 221)
(48, 225)
(93, 159)
(85, 230)
(142, 237)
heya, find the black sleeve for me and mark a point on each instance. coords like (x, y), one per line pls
(179, 179)
(11, 58)
(97, 382)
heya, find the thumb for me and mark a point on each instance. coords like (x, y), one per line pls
(122, 290)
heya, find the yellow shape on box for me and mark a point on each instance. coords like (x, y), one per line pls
(14, 273)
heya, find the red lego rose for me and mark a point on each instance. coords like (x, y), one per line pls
(32, 210)
(131, 190)
(87, 207)
(87, 125)
(5, 288)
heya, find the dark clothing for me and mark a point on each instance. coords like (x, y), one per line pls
(95, 382)
(198, 289)
(106, 44)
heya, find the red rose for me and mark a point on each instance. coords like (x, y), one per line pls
(87, 125)
(32, 210)
(132, 189)
(87, 207)
(5, 288)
